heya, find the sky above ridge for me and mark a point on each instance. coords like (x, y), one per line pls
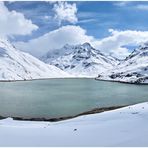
(112, 27)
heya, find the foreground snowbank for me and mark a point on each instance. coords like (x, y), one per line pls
(122, 127)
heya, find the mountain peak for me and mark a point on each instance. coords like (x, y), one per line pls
(87, 45)
(84, 45)
(144, 46)
(67, 46)
(80, 60)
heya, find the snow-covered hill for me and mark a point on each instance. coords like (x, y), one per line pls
(80, 60)
(18, 65)
(125, 127)
(133, 69)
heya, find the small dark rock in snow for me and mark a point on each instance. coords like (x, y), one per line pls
(135, 113)
(75, 129)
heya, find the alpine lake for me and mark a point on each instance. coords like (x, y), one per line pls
(55, 98)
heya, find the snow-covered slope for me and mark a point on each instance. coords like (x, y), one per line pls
(133, 69)
(123, 127)
(17, 65)
(80, 60)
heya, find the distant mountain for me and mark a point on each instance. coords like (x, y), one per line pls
(80, 60)
(133, 69)
(18, 65)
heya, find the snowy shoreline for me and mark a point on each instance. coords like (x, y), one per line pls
(93, 111)
(117, 81)
(72, 77)
(126, 126)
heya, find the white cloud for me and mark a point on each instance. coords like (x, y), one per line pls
(14, 23)
(131, 5)
(115, 43)
(142, 7)
(65, 12)
(47, 17)
(55, 39)
(87, 21)
(51, 1)
(122, 3)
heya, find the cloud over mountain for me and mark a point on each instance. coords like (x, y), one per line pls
(55, 39)
(115, 43)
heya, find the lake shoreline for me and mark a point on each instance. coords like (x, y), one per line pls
(93, 111)
(25, 80)
(97, 79)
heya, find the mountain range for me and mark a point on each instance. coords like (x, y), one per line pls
(80, 60)
(134, 69)
(73, 61)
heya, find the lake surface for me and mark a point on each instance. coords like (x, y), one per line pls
(54, 98)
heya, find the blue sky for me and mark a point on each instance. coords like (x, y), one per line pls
(95, 17)
(110, 26)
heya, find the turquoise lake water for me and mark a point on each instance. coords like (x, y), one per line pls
(54, 98)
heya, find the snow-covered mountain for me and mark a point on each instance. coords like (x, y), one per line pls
(18, 65)
(80, 60)
(133, 69)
